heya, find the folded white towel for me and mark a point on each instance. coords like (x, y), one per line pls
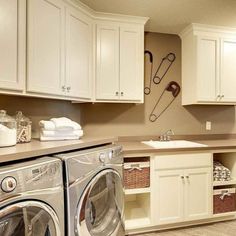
(65, 123)
(61, 133)
(59, 124)
(42, 138)
(47, 125)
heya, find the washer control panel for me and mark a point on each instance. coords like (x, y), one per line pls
(42, 173)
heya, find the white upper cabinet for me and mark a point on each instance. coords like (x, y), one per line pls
(107, 80)
(62, 49)
(208, 56)
(131, 63)
(207, 68)
(78, 54)
(12, 44)
(228, 70)
(46, 46)
(120, 62)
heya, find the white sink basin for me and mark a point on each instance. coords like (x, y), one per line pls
(173, 144)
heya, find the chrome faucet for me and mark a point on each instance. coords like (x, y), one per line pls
(166, 136)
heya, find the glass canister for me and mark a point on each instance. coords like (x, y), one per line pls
(7, 130)
(23, 128)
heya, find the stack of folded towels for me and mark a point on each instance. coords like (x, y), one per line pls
(59, 129)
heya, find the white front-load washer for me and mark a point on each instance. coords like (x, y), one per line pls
(94, 191)
(32, 198)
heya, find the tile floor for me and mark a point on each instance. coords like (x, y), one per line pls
(217, 229)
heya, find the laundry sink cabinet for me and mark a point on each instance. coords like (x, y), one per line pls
(182, 192)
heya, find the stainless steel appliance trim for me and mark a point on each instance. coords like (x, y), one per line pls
(26, 203)
(86, 193)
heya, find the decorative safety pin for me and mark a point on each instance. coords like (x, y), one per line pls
(147, 89)
(172, 87)
(166, 63)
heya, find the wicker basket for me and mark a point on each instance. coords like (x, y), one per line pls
(224, 200)
(137, 175)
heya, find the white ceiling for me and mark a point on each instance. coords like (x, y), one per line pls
(171, 16)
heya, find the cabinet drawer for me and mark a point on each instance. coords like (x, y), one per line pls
(183, 161)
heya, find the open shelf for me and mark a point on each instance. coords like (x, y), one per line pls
(220, 187)
(225, 214)
(137, 210)
(229, 161)
(224, 183)
(137, 191)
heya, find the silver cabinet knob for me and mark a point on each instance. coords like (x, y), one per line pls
(122, 93)
(117, 93)
(63, 88)
(68, 89)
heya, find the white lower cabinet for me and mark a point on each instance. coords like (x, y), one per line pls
(182, 194)
(169, 196)
(198, 193)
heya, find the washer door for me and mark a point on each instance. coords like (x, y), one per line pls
(29, 218)
(100, 209)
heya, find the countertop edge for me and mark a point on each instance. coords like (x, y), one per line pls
(36, 148)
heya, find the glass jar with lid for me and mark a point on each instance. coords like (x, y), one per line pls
(23, 128)
(7, 130)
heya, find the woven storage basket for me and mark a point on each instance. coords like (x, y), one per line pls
(137, 175)
(224, 200)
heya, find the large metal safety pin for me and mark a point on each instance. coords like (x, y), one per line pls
(165, 64)
(172, 87)
(147, 89)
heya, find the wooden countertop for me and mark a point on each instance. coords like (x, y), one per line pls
(36, 148)
(134, 147)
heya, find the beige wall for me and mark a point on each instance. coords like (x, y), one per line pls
(131, 119)
(37, 109)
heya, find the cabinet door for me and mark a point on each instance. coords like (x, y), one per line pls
(208, 69)
(169, 196)
(12, 44)
(131, 63)
(107, 75)
(78, 54)
(198, 193)
(228, 70)
(46, 46)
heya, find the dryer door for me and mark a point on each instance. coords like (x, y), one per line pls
(29, 218)
(100, 209)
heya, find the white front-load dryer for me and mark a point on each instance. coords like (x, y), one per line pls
(94, 191)
(32, 199)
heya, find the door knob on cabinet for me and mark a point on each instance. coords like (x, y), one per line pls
(182, 177)
(63, 88)
(122, 93)
(222, 96)
(117, 93)
(68, 89)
